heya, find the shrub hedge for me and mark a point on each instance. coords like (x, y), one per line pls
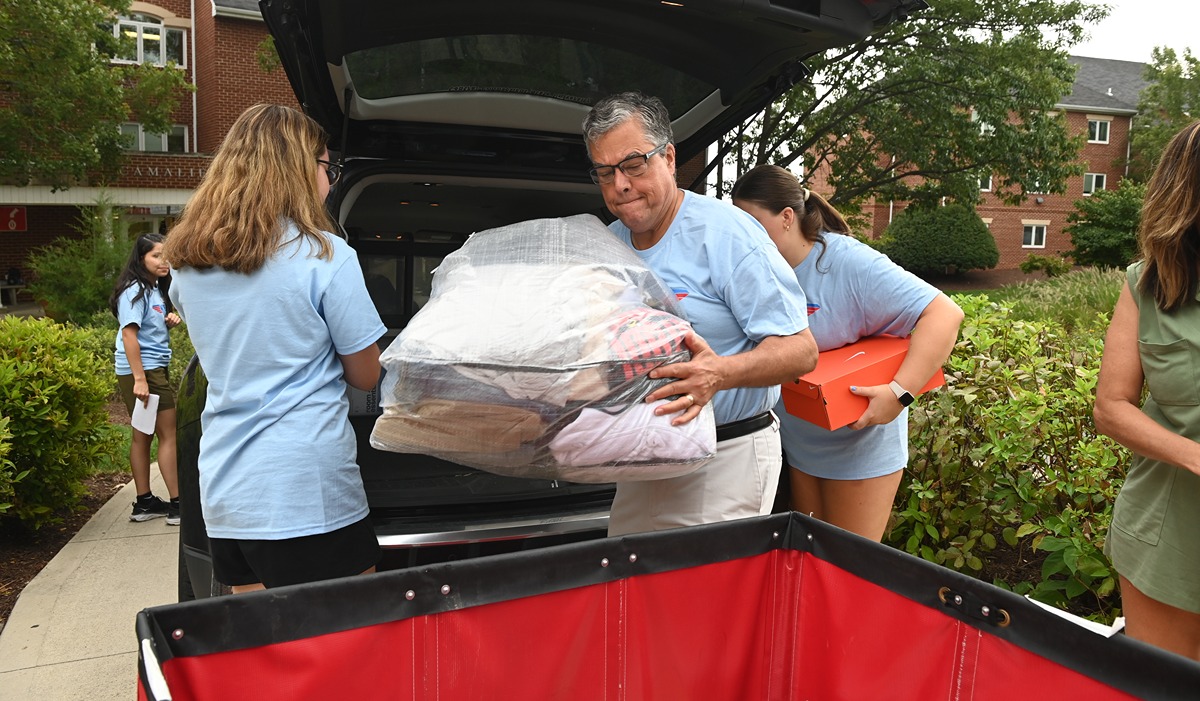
(940, 240)
(1005, 461)
(53, 392)
(1053, 266)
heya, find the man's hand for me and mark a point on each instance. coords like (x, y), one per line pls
(697, 381)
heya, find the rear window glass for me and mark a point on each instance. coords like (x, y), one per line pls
(563, 69)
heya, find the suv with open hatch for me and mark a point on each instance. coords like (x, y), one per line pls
(458, 116)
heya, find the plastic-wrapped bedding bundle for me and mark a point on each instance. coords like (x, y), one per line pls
(531, 360)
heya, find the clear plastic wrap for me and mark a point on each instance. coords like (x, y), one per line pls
(531, 360)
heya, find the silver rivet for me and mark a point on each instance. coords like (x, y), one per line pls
(177, 633)
(604, 562)
(410, 595)
(445, 589)
(985, 611)
(810, 537)
(958, 600)
(633, 557)
(775, 535)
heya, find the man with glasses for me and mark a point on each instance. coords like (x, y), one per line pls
(748, 314)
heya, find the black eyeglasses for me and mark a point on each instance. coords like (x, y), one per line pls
(333, 171)
(633, 167)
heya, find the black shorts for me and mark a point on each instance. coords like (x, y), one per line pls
(342, 553)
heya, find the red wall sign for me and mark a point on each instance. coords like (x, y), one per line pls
(13, 218)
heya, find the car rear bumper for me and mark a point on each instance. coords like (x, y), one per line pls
(396, 533)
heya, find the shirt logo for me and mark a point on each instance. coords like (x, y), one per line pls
(158, 308)
(680, 292)
(812, 308)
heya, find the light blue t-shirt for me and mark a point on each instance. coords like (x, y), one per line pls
(149, 314)
(733, 285)
(853, 292)
(278, 457)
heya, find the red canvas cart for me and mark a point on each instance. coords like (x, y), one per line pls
(778, 607)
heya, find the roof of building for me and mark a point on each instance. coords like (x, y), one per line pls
(247, 9)
(1106, 85)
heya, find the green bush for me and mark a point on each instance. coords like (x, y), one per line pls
(1053, 266)
(74, 277)
(950, 239)
(1005, 462)
(98, 336)
(8, 475)
(1104, 226)
(53, 391)
(1081, 299)
(880, 244)
(182, 351)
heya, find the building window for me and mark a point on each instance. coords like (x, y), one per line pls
(138, 139)
(1034, 236)
(1093, 182)
(985, 183)
(1098, 131)
(148, 41)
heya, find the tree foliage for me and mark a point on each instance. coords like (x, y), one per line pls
(927, 107)
(73, 276)
(1103, 227)
(938, 240)
(63, 99)
(1167, 105)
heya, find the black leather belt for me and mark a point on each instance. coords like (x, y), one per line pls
(737, 429)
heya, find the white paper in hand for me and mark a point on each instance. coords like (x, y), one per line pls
(145, 414)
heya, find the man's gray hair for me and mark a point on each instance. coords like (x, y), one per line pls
(614, 110)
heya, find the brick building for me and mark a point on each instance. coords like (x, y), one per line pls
(1102, 104)
(215, 43)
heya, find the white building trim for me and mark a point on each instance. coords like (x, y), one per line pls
(86, 196)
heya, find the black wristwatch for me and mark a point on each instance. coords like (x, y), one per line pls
(902, 394)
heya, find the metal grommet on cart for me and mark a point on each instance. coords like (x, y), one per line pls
(971, 606)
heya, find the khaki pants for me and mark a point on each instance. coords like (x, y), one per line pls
(739, 482)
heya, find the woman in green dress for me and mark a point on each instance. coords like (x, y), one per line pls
(1154, 340)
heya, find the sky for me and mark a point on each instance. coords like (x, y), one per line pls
(1134, 27)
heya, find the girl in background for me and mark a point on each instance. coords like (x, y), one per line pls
(143, 355)
(281, 320)
(849, 477)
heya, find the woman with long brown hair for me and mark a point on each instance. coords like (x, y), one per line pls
(281, 320)
(1153, 343)
(849, 477)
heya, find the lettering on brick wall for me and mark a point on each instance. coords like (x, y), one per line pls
(168, 172)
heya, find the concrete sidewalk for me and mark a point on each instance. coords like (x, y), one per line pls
(71, 634)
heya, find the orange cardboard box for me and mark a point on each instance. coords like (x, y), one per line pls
(823, 396)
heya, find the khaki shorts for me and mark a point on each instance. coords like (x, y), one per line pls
(740, 482)
(160, 384)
